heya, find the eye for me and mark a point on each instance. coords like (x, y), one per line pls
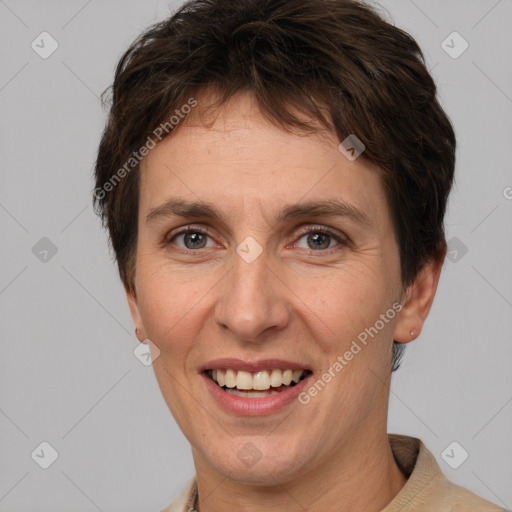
(191, 239)
(316, 239)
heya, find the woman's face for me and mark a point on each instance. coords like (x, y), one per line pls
(274, 274)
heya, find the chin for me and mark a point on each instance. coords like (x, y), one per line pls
(263, 474)
(263, 466)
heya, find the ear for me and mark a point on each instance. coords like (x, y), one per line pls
(419, 297)
(134, 311)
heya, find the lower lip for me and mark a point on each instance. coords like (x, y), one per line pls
(254, 406)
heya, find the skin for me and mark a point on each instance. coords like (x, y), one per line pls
(292, 302)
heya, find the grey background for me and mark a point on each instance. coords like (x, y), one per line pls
(68, 375)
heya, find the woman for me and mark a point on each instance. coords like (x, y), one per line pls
(274, 177)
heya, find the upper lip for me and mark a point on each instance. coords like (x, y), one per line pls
(253, 366)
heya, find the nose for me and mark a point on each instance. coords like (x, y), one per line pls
(253, 301)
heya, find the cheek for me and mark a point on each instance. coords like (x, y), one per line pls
(170, 304)
(344, 302)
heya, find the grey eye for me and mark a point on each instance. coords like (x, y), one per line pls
(193, 240)
(317, 240)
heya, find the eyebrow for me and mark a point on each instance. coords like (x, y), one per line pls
(330, 207)
(205, 210)
(183, 208)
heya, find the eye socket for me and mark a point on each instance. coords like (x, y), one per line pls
(319, 240)
(191, 239)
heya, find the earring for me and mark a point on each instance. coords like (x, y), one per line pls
(412, 333)
(136, 331)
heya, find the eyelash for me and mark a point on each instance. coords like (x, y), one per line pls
(342, 240)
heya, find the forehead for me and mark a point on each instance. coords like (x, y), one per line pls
(240, 156)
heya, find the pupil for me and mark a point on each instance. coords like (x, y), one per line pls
(194, 240)
(319, 241)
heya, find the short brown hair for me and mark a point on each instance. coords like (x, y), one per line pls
(333, 62)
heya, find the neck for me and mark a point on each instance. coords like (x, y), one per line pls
(361, 476)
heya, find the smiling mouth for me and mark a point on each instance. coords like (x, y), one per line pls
(256, 384)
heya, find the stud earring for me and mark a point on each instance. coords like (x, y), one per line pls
(136, 331)
(412, 333)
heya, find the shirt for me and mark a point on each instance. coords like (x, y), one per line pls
(426, 490)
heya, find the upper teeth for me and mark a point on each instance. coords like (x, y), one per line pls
(259, 380)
